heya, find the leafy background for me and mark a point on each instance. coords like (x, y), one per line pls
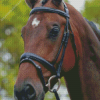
(13, 16)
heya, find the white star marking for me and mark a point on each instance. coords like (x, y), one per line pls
(35, 22)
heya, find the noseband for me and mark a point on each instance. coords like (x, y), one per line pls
(31, 57)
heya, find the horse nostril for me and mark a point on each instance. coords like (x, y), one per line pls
(27, 93)
(30, 92)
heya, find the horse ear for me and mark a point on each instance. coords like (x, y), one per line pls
(30, 3)
(57, 2)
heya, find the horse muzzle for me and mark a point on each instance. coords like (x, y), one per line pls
(26, 93)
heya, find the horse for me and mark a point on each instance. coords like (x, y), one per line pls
(94, 27)
(58, 42)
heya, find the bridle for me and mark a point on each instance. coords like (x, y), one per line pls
(31, 57)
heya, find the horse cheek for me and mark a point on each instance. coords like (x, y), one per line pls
(69, 59)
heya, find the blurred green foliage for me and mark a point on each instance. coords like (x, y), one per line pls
(92, 10)
(66, 0)
(13, 16)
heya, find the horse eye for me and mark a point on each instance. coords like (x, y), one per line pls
(54, 31)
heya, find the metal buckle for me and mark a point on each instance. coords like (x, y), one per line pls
(49, 85)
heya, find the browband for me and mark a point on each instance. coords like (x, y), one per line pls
(50, 10)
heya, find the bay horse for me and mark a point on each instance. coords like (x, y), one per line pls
(58, 42)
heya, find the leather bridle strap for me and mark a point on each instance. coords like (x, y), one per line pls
(39, 59)
(28, 59)
(49, 10)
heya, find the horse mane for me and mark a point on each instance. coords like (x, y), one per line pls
(94, 28)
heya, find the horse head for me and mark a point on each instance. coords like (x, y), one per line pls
(44, 43)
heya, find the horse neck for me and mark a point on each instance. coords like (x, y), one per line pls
(83, 81)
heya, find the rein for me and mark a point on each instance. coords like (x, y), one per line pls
(31, 57)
